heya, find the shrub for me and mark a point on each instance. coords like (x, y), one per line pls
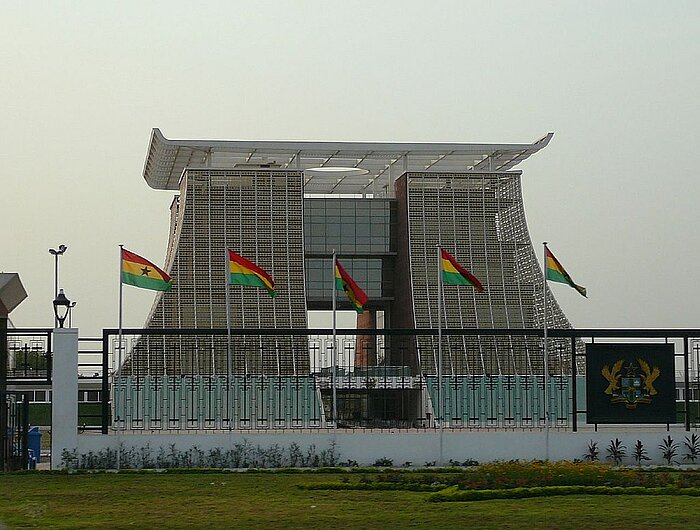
(692, 448)
(591, 454)
(640, 453)
(454, 495)
(241, 455)
(616, 451)
(469, 462)
(669, 450)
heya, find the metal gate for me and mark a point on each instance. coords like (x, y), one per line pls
(14, 447)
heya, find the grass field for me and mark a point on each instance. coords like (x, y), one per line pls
(246, 500)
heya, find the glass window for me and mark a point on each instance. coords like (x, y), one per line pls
(314, 207)
(347, 230)
(348, 208)
(363, 207)
(316, 230)
(348, 225)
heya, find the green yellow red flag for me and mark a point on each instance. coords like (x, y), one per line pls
(454, 274)
(344, 282)
(140, 272)
(245, 272)
(556, 273)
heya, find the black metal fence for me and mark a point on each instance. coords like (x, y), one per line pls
(14, 446)
(29, 356)
(191, 379)
(29, 367)
(198, 379)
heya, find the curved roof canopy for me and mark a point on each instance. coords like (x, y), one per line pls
(360, 167)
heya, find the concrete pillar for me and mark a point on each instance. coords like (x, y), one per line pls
(64, 409)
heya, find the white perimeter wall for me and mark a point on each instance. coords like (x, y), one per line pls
(415, 447)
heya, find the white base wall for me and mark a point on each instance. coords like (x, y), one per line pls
(418, 448)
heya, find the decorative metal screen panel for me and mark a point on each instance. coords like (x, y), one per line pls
(479, 218)
(259, 215)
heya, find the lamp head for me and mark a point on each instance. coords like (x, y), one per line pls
(61, 306)
(58, 251)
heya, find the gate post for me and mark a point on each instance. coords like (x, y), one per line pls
(64, 414)
(3, 388)
(12, 293)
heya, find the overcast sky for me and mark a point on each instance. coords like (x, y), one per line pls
(615, 193)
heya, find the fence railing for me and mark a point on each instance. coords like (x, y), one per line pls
(196, 379)
(29, 356)
(91, 377)
(14, 446)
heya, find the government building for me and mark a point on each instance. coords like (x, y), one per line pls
(384, 208)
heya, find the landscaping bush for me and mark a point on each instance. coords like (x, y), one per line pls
(454, 494)
(515, 475)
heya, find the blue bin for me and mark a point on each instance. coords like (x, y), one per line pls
(34, 442)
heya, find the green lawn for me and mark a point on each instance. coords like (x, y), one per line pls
(225, 500)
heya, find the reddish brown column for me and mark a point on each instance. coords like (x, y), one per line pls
(366, 345)
(402, 350)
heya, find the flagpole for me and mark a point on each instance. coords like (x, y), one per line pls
(229, 367)
(441, 419)
(121, 302)
(546, 358)
(119, 348)
(334, 353)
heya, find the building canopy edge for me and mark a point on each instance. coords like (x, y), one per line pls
(166, 159)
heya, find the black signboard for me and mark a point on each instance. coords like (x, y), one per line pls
(630, 383)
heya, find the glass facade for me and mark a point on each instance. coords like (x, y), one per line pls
(367, 273)
(350, 226)
(362, 232)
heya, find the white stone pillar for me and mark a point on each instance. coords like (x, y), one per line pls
(64, 403)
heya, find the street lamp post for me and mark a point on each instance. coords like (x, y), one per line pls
(56, 252)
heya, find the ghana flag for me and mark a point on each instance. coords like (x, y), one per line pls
(140, 272)
(244, 272)
(556, 273)
(454, 274)
(344, 282)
